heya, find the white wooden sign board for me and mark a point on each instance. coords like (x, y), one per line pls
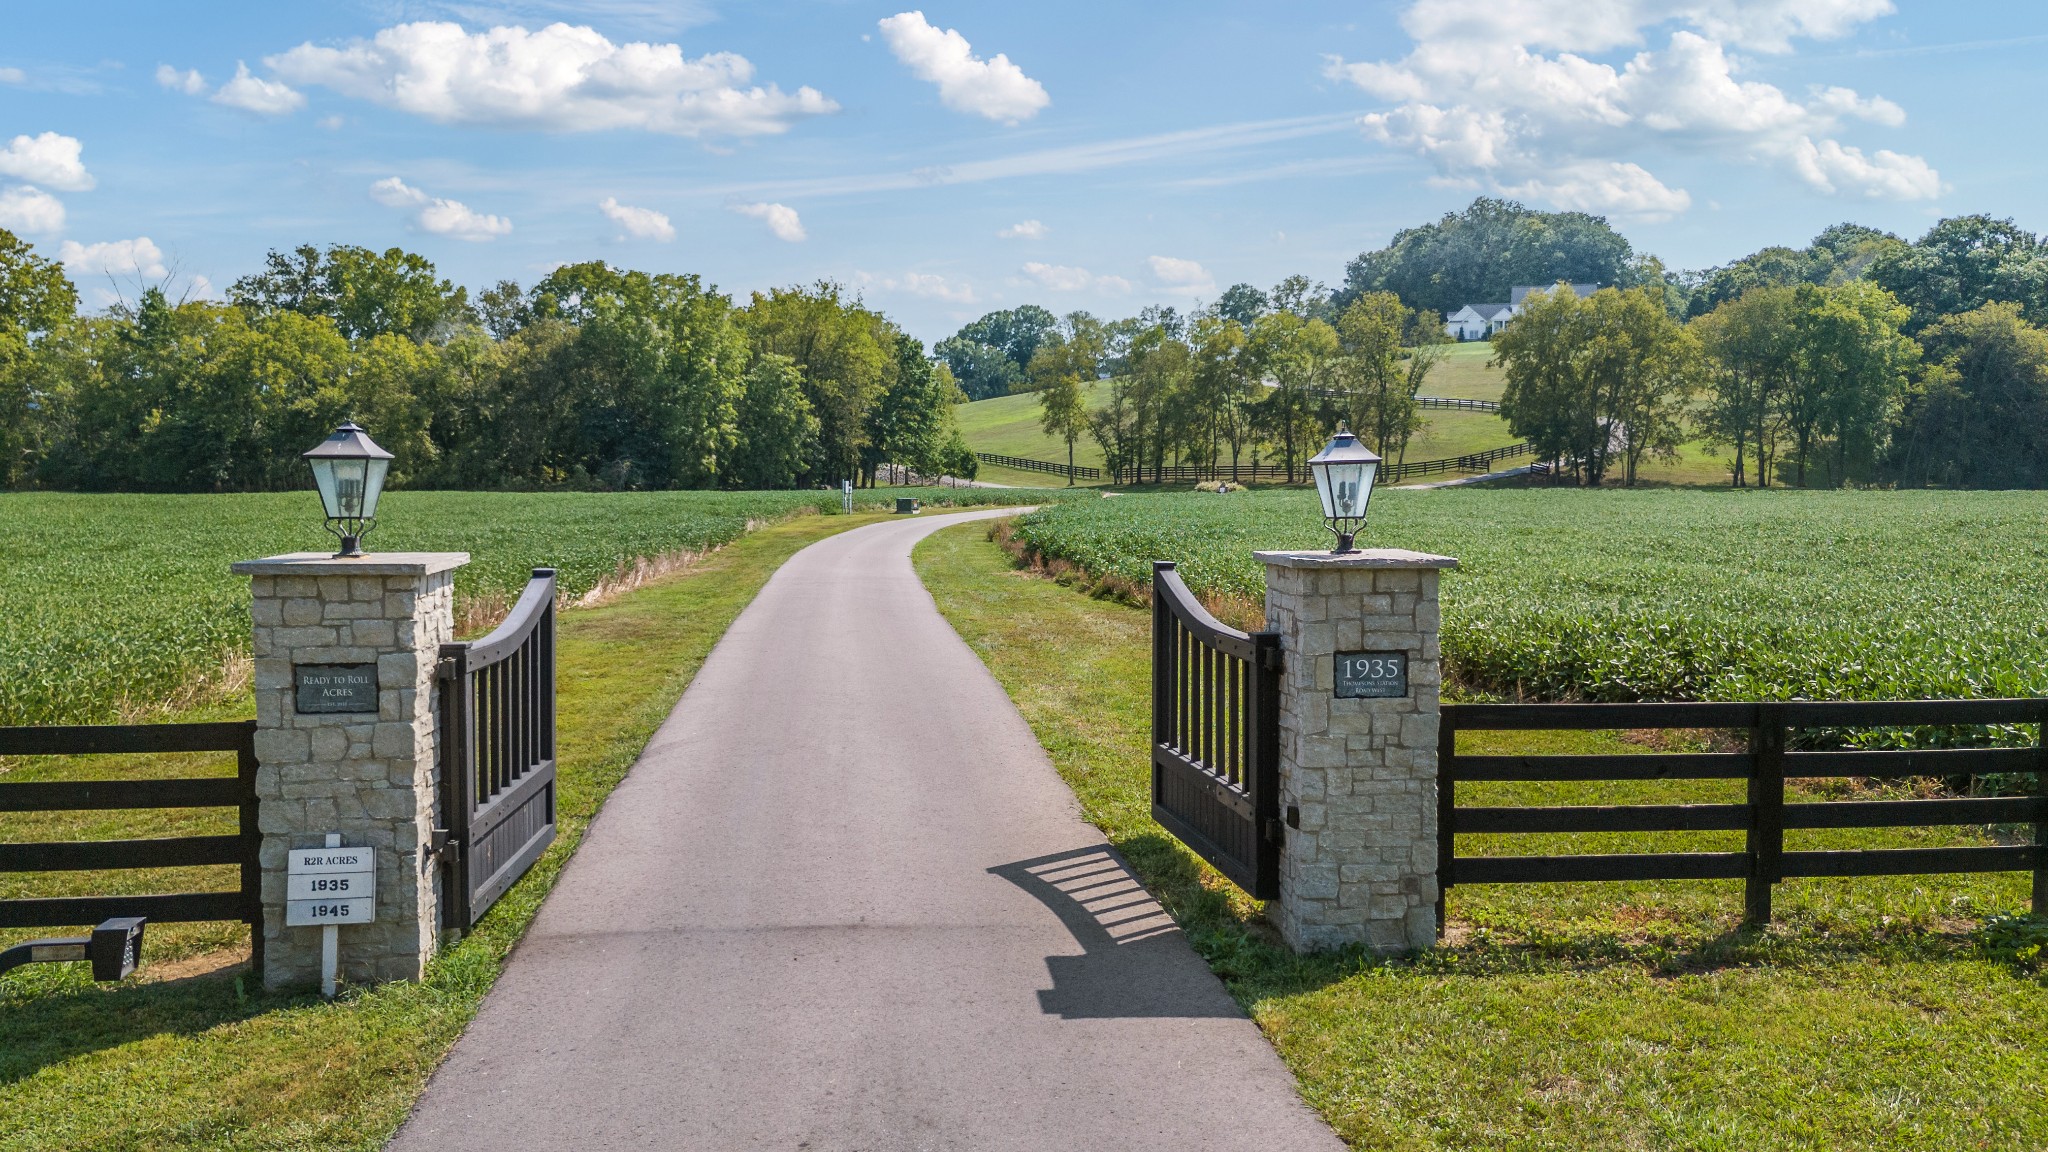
(330, 886)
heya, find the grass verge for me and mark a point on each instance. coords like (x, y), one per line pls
(207, 1062)
(1891, 1013)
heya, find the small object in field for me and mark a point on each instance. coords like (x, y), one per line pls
(907, 506)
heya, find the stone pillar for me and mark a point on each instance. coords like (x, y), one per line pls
(367, 773)
(1358, 759)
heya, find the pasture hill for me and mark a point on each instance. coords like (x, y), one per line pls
(1009, 426)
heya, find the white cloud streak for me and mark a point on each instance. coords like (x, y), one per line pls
(26, 208)
(1514, 100)
(781, 219)
(191, 83)
(1024, 230)
(13, 76)
(993, 88)
(1185, 275)
(561, 78)
(440, 216)
(637, 223)
(1067, 278)
(49, 159)
(255, 94)
(139, 257)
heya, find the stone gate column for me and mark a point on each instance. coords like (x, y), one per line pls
(1358, 754)
(345, 653)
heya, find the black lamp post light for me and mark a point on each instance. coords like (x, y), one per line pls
(1344, 472)
(349, 469)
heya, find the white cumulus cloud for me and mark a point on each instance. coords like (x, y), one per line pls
(781, 219)
(1186, 275)
(190, 82)
(1067, 278)
(561, 78)
(255, 94)
(49, 159)
(26, 208)
(1517, 102)
(139, 257)
(995, 88)
(1024, 230)
(435, 214)
(637, 223)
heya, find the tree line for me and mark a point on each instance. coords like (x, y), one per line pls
(1861, 358)
(1255, 381)
(595, 377)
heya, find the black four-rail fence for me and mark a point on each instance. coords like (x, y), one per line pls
(238, 849)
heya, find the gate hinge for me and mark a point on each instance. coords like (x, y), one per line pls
(444, 846)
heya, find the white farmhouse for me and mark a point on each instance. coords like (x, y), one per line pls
(1481, 321)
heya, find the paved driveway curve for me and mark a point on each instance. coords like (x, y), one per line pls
(842, 902)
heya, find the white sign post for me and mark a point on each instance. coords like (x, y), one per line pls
(846, 494)
(330, 887)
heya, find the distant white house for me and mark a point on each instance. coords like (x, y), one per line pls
(1481, 321)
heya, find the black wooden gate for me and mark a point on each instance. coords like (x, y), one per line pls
(497, 753)
(1216, 736)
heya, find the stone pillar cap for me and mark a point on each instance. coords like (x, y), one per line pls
(368, 564)
(1364, 558)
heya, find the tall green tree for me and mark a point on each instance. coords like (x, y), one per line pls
(36, 298)
(1978, 416)
(365, 293)
(847, 355)
(779, 433)
(1475, 256)
(1382, 377)
(1962, 264)
(1854, 363)
(1752, 359)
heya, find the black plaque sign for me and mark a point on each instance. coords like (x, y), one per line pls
(1371, 675)
(336, 687)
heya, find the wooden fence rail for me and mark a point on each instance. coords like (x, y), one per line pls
(243, 903)
(1764, 816)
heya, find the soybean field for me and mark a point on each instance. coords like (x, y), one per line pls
(1663, 594)
(112, 604)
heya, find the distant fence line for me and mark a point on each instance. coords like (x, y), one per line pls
(1454, 402)
(1390, 473)
(1077, 471)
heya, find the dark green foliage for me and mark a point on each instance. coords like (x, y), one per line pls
(989, 357)
(1964, 263)
(1475, 256)
(364, 293)
(1979, 416)
(1843, 253)
(599, 377)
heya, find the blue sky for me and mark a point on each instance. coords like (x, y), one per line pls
(1115, 155)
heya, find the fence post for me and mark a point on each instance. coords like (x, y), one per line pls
(1766, 841)
(345, 743)
(1446, 814)
(2041, 827)
(1358, 748)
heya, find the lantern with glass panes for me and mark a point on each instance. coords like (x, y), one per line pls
(1344, 472)
(349, 469)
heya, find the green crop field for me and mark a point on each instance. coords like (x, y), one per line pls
(1662, 594)
(109, 605)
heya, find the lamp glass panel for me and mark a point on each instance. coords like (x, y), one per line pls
(1348, 488)
(1323, 491)
(323, 478)
(350, 477)
(373, 485)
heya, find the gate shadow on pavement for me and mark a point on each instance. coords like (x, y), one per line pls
(1134, 961)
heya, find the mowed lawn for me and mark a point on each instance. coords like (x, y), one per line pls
(191, 1055)
(1875, 1014)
